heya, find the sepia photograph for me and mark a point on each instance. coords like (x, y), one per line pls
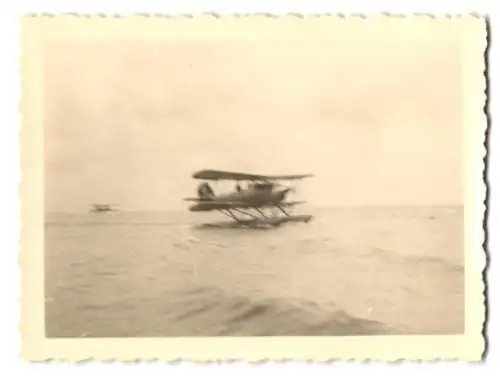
(273, 184)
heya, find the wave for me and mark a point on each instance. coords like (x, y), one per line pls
(385, 256)
(216, 313)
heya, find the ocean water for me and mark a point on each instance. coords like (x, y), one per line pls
(351, 271)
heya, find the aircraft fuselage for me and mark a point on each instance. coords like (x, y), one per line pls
(254, 197)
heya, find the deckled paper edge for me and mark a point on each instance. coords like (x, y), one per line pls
(36, 348)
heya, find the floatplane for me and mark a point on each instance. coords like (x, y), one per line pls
(261, 193)
(101, 208)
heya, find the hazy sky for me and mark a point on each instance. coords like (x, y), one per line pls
(379, 122)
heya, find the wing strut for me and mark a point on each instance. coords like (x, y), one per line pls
(282, 210)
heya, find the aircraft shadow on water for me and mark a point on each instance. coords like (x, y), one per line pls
(247, 206)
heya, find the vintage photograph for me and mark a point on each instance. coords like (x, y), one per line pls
(272, 184)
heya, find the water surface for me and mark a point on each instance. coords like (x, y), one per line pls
(351, 271)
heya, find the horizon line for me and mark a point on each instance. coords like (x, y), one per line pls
(314, 206)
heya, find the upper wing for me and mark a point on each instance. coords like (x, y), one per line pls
(209, 174)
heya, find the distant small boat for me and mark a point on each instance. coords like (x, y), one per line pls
(101, 208)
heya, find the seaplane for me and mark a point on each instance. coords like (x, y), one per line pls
(101, 208)
(262, 192)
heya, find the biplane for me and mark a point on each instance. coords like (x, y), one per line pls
(261, 193)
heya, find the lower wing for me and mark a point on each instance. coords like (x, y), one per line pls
(228, 205)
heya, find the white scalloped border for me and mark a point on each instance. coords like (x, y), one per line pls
(28, 227)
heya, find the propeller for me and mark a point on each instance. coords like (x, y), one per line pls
(285, 192)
